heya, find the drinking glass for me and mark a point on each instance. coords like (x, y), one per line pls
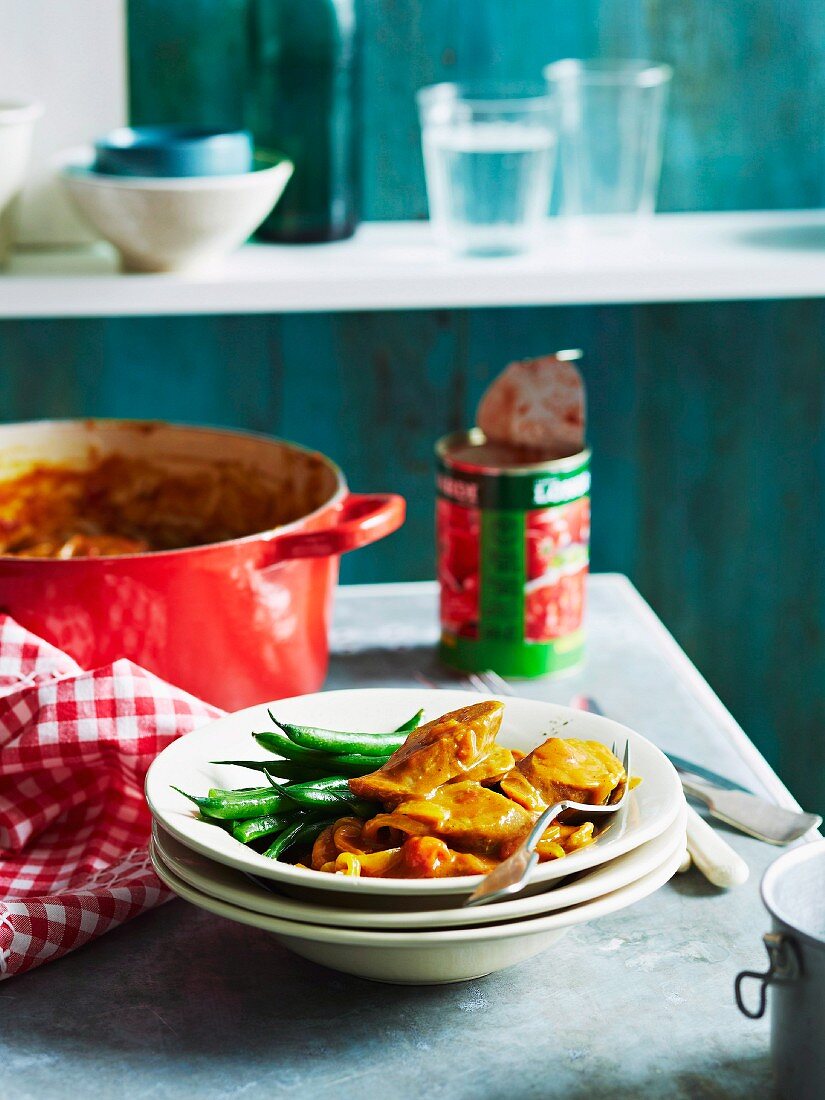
(610, 138)
(488, 160)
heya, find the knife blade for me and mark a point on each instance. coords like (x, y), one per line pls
(682, 765)
(752, 815)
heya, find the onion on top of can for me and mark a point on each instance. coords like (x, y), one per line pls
(513, 525)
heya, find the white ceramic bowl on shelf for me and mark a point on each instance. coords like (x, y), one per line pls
(424, 957)
(262, 896)
(181, 223)
(653, 805)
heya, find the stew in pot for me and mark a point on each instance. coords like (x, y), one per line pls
(121, 505)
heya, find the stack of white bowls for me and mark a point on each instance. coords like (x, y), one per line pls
(408, 930)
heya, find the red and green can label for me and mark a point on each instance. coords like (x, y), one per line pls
(512, 565)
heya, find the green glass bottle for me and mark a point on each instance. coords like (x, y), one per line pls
(302, 101)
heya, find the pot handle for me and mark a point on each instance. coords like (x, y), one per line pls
(363, 518)
(784, 966)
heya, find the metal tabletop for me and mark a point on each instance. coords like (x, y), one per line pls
(180, 1003)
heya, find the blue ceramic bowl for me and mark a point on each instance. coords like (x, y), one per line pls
(165, 151)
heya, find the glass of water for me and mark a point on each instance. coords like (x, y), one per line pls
(610, 139)
(488, 159)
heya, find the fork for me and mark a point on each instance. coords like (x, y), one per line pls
(489, 682)
(511, 875)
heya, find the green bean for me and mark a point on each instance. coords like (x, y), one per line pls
(243, 805)
(325, 783)
(411, 723)
(281, 745)
(282, 769)
(256, 827)
(333, 792)
(321, 763)
(337, 741)
(318, 739)
(301, 832)
(352, 764)
(239, 792)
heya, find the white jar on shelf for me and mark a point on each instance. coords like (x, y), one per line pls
(16, 125)
(71, 58)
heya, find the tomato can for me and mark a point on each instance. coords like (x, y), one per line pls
(513, 539)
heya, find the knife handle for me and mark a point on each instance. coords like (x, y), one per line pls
(714, 857)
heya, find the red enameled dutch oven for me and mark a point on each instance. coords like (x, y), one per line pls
(233, 622)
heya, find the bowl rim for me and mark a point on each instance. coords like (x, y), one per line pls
(803, 853)
(236, 855)
(616, 900)
(76, 165)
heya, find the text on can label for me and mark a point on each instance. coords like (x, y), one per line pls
(553, 490)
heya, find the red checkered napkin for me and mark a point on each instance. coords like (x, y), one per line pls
(74, 826)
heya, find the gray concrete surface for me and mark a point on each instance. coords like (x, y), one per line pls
(639, 1004)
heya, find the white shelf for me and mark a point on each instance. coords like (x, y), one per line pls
(396, 265)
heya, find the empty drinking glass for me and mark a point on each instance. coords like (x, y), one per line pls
(488, 159)
(610, 137)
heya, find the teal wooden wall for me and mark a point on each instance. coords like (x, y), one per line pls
(706, 420)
